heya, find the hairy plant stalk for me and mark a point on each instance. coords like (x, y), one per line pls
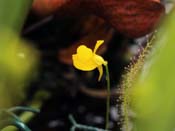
(151, 95)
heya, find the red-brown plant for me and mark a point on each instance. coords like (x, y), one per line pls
(133, 18)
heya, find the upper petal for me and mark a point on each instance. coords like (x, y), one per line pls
(98, 44)
(84, 53)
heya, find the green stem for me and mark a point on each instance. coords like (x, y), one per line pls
(72, 120)
(108, 97)
(21, 126)
(10, 119)
(15, 123)
(35, 104)
(21, 108)
(18, 123)
(75, 126)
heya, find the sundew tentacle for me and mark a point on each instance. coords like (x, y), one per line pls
(131, 73)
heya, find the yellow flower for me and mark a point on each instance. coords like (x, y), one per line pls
(87, 60)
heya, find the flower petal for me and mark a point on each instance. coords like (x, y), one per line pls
(100, 69)
(83, 60)
(84, 65)
(99, 60)
(84, 52)
(98, 44)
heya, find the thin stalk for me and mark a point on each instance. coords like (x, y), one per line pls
(75, 126)
(108, 97)
(15, 123)
(12, 120)
(21, 108)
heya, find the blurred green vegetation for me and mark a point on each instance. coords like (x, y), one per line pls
(17, 61)
(13, 13)
(17, 58)
(152, 97)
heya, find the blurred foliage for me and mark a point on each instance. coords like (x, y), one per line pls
(33, 105)
(13, 13)
(17, 58)
(17, 61)
(9, 118)
(152, 94)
